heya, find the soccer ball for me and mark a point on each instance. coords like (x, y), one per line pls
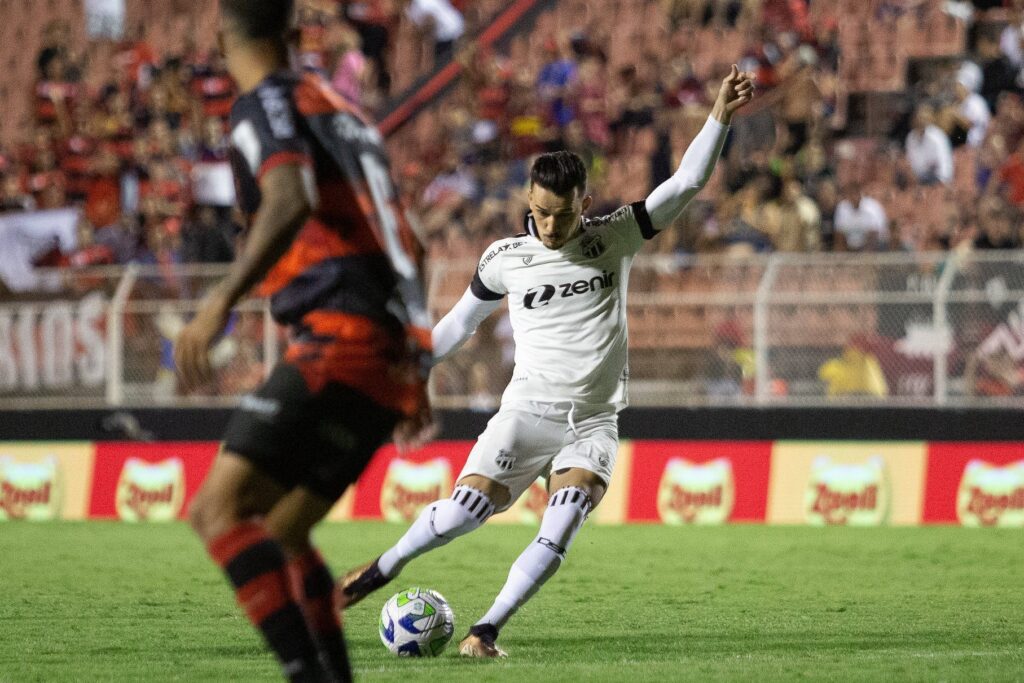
(416, 622)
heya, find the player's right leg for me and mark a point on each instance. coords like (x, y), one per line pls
(473, 501)
(225, 514)
(345, 429)
(291, 521)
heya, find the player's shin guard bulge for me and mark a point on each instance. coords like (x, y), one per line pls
(440, 522)
(567, 509)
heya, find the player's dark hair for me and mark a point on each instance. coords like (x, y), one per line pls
(259, 19)
(560, 172)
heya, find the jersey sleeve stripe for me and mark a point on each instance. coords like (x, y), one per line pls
(643, 219)
(280, 158)
(480, 290)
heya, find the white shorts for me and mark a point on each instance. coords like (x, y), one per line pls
(527, 440)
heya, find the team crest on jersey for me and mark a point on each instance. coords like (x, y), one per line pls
(527, 260)
(592, 245)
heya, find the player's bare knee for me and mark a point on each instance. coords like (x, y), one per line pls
(498, 493)
(212, 514)
(581, 479)
(206, 517)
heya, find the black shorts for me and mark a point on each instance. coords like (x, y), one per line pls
(319, 441)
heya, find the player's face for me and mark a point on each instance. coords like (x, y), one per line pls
(557, 216)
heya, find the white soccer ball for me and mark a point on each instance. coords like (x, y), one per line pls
(416, 622)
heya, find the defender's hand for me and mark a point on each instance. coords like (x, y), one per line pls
(737, 89)
(192, 348)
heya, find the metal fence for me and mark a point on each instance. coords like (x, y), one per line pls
(786, 329)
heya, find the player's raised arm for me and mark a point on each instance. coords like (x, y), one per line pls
(668, 199)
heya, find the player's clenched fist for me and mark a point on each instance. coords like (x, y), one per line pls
(192, 347)
(737, 89)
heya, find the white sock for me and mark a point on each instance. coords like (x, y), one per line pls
(440, 522)
(566, 511)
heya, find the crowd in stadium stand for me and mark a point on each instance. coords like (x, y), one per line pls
(144, 154)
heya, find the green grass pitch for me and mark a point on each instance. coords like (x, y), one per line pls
(116, 602)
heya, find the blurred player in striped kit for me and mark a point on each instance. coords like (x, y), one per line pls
(330, 245)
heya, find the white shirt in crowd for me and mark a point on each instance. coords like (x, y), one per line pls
(856, 223)
(448, 22)
(974, 108)
(1010, 43)
(930, 154)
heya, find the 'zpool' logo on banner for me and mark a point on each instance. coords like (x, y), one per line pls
(853, 494)
(693, 493)
(30, 490)
(152, 492)
(408, 487)
(991, 495)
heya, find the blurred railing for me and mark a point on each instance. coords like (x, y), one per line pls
(792, 330)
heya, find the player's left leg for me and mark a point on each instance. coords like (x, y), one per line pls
(291, 521)
(345, 429)
(579, 478)
(574, 493)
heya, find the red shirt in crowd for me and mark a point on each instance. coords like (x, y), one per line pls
(1012, 173)
(215, 89)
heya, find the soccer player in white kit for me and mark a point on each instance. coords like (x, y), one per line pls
(565, 278)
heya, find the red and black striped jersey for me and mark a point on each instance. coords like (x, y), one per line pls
(349, 285)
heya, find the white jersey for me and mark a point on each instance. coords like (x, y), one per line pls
(568, 308)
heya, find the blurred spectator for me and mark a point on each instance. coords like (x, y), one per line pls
(54, 45)
(734, 223)
(928, 149)
(827, 199)
(373, 20)
(207, 236)
(1011, 176)
(556, 82)
(732, 368)
(351, 68)
(211, 83)
(89, 252)
(856, 372)
(973, 114)
(440, 20)
(993, 373)
(103, 201)
(995, 225)
(998, 72)
(312, 25)
(860, 222)
(592, 102)
(793, 220)
(13, 196)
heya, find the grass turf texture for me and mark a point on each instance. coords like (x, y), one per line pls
(109, 601)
